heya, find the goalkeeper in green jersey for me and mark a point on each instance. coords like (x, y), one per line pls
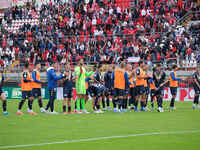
(81, 74)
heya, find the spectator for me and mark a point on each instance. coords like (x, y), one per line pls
(99, 31)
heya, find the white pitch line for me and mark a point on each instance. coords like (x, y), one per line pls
(100, 138)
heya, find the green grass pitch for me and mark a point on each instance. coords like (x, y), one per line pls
(177, 130)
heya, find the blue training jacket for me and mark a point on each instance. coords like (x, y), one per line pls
(52, 78)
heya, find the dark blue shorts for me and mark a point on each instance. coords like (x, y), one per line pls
(108, 92)
(158, 92)
(126, 92)
(26, 94)
(67, 93)
(196, 89)
(132, 91)
(92, 91)
(36, 92)
(99, 91)
(146, 90)
(119, 92)
(173, 90)
(153, 93)
(140, 90)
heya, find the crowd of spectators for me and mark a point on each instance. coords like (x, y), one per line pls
(100, 31)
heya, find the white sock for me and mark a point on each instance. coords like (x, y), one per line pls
(197, 105)
(19, 110)
(193, 105)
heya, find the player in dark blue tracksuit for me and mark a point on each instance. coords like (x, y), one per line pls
(108, 85)
(52, 85)
(98, 88)
(68, 89)
(159, 82)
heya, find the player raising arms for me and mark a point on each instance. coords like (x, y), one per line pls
(80, 76)
(2, 94)
(196, 85)
(37, 85)
(26, 90)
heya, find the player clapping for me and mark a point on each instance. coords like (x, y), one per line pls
(173, 84)
(67, 89)
(159, 82)
(37, 85)
(26, 90)
(52, 85)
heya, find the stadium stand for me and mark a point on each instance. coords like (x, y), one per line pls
(101, 31)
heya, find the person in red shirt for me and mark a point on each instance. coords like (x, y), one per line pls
(189, 54)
